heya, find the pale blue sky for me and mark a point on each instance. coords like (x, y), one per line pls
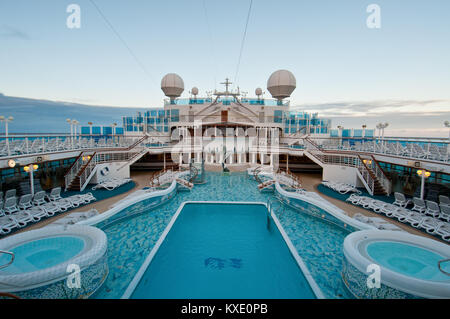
(343, 69)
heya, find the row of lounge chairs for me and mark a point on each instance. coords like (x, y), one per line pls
(422, 220)
(341, 188)
(112, 183)
(29, 209)
(40, 145)
(74, 218)
(378, 222)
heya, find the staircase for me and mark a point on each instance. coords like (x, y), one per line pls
(82, 164)
(373, 177)
(85, 165)
(266, 184)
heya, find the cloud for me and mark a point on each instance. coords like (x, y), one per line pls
(380, 108)
(11, 32)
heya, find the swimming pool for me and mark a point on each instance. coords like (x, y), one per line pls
(46, 257)
(222, 250)
(408, 260)
(408, 265)
(317, 242)
(42, 253)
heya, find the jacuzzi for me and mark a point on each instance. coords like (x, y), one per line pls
(408, 265)
(46, 262)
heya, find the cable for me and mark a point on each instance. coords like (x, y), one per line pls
(141, 65)
(243, 41)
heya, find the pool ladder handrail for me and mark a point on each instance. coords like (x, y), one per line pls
(440, 268)
(12, 258)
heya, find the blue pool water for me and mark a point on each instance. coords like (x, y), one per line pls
(43, 253)
(223, 251)
(408, 260)
(318, 243)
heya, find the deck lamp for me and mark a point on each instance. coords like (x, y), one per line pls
(423, 174)
(11, 163)
(30, 169)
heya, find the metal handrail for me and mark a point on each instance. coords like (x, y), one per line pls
(12, 258)
(440, 268)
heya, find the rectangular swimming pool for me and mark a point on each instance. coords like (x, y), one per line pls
(216, 250)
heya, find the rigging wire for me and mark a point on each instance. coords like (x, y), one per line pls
(243, 41)
(211, 42)
(136, 59)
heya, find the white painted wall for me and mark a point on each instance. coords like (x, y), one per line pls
(341, 174)
(113, 167)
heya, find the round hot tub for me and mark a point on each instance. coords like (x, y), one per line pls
(54, 262)
(408, 265)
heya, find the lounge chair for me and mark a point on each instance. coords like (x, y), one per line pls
(51, 208)
(76, 200)
(354, 199)
(432, 209)
(10, 193)
(401, 200)
(443, 231)
(55, 194)
(39, 198)
(445, 213)
(430, 224)
(7, 224)
(2, 211)
(38, 212)
(10, 205)
(22, 218)
(419, 205)
(415, 219)
(63, 204)
(444, 200)
(25, 201)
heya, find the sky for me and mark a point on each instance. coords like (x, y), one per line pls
(399, 73)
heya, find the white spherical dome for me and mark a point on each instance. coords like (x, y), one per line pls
(194, 90)
(281, 84)
(258, 91)
(172, 85)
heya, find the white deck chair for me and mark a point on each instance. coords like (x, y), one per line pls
(76, 200)
(419, 205)
(444, 200)
(445, 213)
(354, 199)
(401, 214)
(10, 193)
(431, 224)
(7, 224)
(444, 231)
(37, 212)
(64, 204)
(432, 209)
(2, 212)
(39, 198)
(51, 208)
(415, 219)
(55, 194)
(22, 218)
(10, 205)
(401, 200)
(25, 201)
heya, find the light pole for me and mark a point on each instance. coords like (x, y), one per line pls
(113, 131)
(423, 174)
(71, 130)
(6, 120)
(30, 169)
(340, 128)
(381, 127)
(75, 124)
(364, 130)
(447, 124)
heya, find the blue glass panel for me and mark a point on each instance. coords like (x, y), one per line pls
(96, 130)
(85, 130)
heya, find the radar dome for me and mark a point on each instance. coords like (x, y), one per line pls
(281, 84)
(194, 90)
(258, 92)
(172, 85)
